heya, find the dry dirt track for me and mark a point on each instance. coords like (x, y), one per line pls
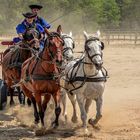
(121, 109)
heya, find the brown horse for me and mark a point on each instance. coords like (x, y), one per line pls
(41, 76)
(13, 59)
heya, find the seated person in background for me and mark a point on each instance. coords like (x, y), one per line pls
(27, 23)
(35, 9)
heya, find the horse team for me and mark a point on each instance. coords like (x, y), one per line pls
(41, 74)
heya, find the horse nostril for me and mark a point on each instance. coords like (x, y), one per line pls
(99, 65)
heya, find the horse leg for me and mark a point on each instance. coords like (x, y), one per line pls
(45, 101)
(56, 97)
(40, 107)
(23, 99)
(64, 100)
(72, 98)
(99, 101)
(32, 98)
(21, 96)
(81, 104)
(29, 102)
(11, 92)
(87, 104)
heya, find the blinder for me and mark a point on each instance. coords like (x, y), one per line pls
(102, 47)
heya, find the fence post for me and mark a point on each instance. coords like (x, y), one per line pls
(108, 38)
(135, 38)
(1, 57)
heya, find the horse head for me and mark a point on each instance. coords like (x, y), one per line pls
(54, 46)
(31, 38)
(93, 48)
(69, 45)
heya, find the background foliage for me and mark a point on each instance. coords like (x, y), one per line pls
(75, 15)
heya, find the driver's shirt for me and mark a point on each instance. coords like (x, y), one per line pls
(21, 28)
(42, 22)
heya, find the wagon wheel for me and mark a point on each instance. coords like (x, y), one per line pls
(3, 94)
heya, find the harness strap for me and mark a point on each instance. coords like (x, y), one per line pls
(27, 79)
(43, 77)
(88, 79)
(27, 70)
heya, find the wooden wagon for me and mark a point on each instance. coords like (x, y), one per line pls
(3, 86)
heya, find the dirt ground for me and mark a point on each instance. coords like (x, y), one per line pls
(121, 107)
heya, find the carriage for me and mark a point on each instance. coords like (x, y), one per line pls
(3, 87)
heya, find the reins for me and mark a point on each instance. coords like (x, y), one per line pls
(39, 57)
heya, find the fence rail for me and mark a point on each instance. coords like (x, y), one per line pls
(115, 39)
(110, 38)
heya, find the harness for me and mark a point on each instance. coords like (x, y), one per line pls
(47, 75)
(92, 78)
(67, 48)
(16, 60)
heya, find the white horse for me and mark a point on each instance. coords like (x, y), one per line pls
(85, 80)
(69, 45)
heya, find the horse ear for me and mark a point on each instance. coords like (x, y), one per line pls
(98, 33)
(70, 34)
(85, 35)
(59, 29)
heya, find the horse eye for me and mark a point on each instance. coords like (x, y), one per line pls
(63, 43)
(88, 48)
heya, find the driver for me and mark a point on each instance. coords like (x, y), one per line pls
(27, 23)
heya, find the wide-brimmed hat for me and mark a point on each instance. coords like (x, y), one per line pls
(29, 15)
(33, 6)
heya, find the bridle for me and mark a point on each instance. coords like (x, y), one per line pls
(48, 45)
(30, 37)
(67, 48)
(87, 49)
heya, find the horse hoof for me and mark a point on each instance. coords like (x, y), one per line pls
(12, 103)
(22, 103)
(87, 133)
(36, 121)
(93, 122)
(54, 125)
